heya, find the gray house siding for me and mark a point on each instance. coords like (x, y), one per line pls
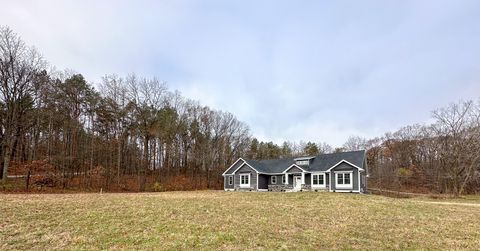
(280, 186)
(308, 179)
(363, 182)
(290, 179)
(279, 179)
(225, 182)
(294, 170)
(253, 178)
(363, 177)
(263, 181)
(345, 167)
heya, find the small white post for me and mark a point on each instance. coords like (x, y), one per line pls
(303, 178)
(286, 178)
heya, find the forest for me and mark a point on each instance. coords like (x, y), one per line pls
(59, 132)
(132, 134)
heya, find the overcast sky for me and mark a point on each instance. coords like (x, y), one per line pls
(292, 70)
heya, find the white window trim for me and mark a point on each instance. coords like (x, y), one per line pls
(324, 180)
(344, 186)
(284, 179)
(272, 178)
(230, 179)
(244, 174)
(302, 162)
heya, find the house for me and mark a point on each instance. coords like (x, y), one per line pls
(335, 172)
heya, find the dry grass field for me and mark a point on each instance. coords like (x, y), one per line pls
(209, 220)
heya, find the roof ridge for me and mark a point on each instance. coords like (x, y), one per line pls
(271, 159)
(342, 152)
(313, 156)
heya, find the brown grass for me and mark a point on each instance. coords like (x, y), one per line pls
(235, 221)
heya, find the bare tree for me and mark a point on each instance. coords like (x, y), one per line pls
(324, 148)
(19, 65)
(355, 143)
(457, 129)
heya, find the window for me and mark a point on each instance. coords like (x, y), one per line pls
(303, 162)
(274, 179)
(230, 180)
(318, 179)
(344, 180)
(245, 180)
(284, 180)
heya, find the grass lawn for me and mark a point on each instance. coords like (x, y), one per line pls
(234, 220)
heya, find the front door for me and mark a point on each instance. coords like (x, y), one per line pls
(298, 183)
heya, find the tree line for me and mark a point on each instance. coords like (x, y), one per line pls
(133, 133)
(269, 150)
(442, 157)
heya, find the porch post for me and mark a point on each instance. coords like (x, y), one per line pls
(286, 178)
(303, 178)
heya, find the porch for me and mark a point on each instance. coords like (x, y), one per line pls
(294, 182)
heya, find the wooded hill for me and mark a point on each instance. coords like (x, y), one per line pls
(133, 134)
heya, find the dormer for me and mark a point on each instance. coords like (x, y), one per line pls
(303, 161)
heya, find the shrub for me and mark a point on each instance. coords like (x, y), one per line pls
(404, 173)
(157, 187)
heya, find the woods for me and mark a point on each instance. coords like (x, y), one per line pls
(134, 134)
(443, 157)
(131, 133)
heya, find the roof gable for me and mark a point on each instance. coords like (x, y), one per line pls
(324, 162)
(237, 165)
(294, 168)
(344, 161)
(239, 162)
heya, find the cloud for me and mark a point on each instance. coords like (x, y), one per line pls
(318, 71)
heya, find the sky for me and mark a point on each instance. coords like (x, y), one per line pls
(301, 70)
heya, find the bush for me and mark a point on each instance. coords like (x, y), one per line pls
(157, 187)
(404, 173)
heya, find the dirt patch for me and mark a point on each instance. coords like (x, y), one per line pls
(398, 194)
(451, 203)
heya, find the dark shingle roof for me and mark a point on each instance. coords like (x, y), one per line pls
(320, 163)
(271, 165)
